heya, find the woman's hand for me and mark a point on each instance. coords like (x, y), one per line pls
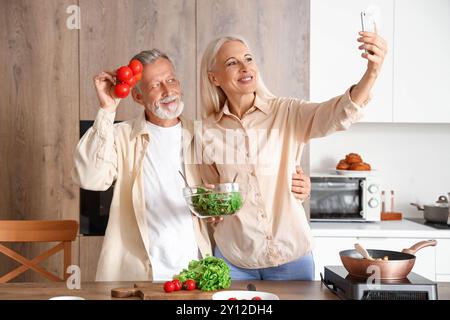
(301, 185)
(376, 51)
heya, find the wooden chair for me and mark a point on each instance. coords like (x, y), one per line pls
(63, 231)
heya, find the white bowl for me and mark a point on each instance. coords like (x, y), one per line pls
(66, 298)
(243, 294)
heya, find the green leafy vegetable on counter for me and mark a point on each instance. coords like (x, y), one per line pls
(210, 274)
(216, 204)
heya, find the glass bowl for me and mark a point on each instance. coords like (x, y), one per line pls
(224, 200)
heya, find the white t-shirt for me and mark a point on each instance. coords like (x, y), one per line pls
(171, 230)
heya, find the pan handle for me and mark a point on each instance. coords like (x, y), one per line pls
(420, 245)
(419, 207)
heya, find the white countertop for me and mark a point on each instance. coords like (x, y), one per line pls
(391, 229)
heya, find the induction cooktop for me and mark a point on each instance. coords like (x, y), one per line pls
(345, 286)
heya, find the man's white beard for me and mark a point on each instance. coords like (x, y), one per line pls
(167, 113)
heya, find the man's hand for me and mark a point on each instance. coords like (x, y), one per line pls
(104, 86)
(301, 185)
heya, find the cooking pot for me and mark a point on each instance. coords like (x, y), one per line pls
(398, 265)
(437, 212)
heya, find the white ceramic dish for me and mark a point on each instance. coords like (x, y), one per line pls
(355, 173)
(243, 294)
(66, 298)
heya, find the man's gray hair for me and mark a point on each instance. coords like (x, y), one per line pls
(148, 57)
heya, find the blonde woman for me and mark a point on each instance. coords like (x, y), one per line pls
(269, 238)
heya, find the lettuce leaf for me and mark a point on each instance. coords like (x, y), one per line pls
(209, 274)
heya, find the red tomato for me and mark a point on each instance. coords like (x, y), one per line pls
(169, 286)
(122, 90)
(189, 285)
(124, 73)
(232, 298)
(138, 76)
(256, 298)
(135, 66)
(177, 284)
(131, 82)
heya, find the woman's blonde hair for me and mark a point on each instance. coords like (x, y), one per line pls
(212, 97)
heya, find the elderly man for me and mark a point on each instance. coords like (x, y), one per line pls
(151, 234)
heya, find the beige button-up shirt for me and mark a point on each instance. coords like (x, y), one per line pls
(113, 153)
(263, 148)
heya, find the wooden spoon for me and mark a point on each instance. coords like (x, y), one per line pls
(361, 250)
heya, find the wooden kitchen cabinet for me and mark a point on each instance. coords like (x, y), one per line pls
(89, 254)
(326, 252)
(336, 61)
(422, 61)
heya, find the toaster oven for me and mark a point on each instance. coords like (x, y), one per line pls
(345, 198)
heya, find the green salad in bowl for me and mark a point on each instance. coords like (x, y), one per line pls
(224, 200)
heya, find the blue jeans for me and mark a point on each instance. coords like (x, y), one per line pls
(300, 269)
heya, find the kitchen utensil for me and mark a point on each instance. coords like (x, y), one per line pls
(437, 212)
(383, 201)
(184, 178)
(155, 291)
(398, 265)
(251, 287)
(361, 250)
(235, 177)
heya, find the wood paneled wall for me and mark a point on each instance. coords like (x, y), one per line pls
(47, 86)
(277, 32)
(39, 116)
(114, 31)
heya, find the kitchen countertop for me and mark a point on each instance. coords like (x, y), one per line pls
(393, 229)
(286, 290)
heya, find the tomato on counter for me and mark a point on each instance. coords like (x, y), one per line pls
(177, 284)
(169, 286)
(189, 285)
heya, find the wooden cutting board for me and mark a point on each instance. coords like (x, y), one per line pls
(155, 291)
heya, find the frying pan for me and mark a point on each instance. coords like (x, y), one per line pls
(397, 267)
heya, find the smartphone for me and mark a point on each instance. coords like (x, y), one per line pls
(368, 21)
